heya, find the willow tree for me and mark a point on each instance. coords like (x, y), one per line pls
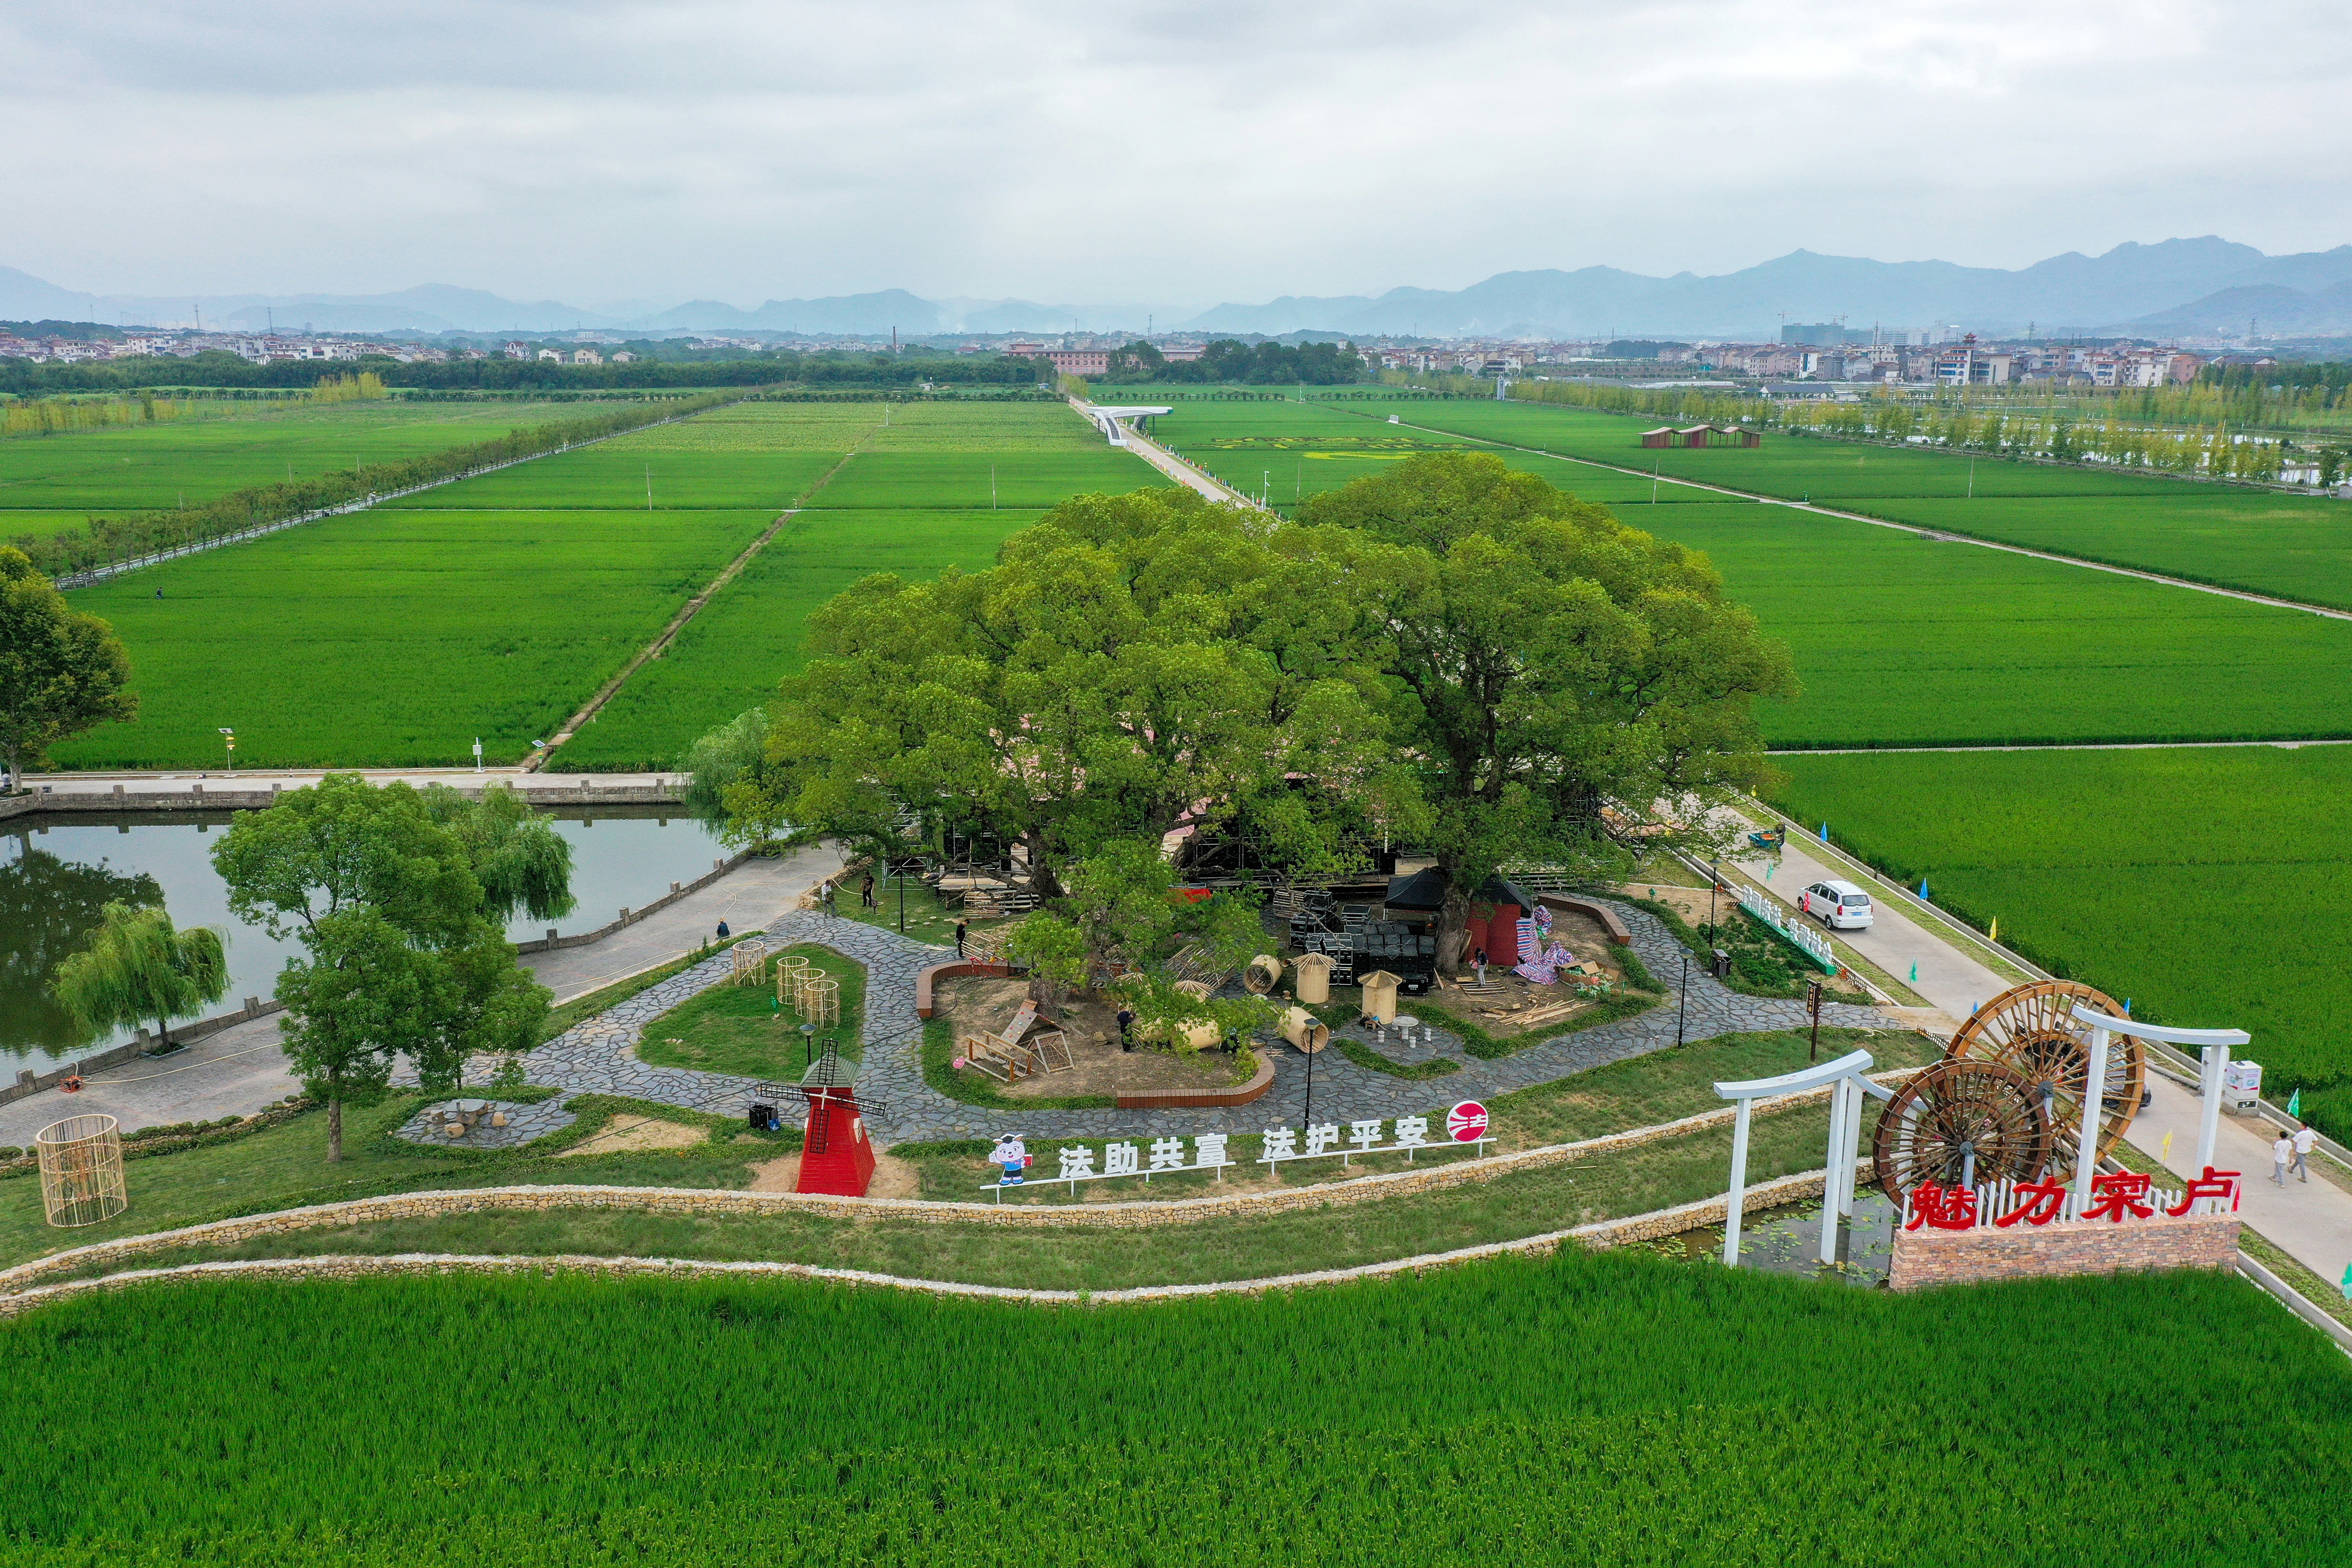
(137, 967)
(1129, 664)
(1544, 663)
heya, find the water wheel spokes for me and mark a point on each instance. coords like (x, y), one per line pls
(1962, 1122)
(2031, 1029)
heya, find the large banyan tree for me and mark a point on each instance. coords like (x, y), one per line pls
(1451, 655)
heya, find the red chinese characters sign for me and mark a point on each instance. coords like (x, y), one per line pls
(2114, 1198)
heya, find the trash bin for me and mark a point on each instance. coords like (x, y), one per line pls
(1720, 965)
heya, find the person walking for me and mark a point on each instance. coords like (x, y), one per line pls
(2282, 1151)
(2304, 1139)
(1126, 1024)
(866, 892)
(1478, 962)
(960, 931)
(829, 908)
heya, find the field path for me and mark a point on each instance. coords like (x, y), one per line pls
(1174, 467)
(1912, 528)
(688, 610)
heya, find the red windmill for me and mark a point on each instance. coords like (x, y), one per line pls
(836, 1156)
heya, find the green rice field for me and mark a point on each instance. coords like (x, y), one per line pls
(1898, 642)
(1619, 1409)
(395, 637)
(730, 656)
(51, 482)
(2293, 547)
(496, 606)
(2211, 886)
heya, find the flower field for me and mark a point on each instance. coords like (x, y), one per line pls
(2212, 885)
(1484, 1408)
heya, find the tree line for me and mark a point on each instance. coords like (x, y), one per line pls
(217, 368)
(1967, 425)
(1229, 360)
(103, 540)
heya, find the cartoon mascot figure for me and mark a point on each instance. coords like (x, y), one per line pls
(1012, 1155)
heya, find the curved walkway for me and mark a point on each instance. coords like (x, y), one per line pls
(599, 1056)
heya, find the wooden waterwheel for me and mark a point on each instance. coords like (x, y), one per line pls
(2031, 1030)
(1964, 1121)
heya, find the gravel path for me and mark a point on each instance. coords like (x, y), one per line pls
(599, 1055)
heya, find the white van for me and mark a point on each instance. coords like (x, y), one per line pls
(1840, 906)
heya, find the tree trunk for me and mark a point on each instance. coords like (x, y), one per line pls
(334, 1131)
(163, 1034)
(1453, 924)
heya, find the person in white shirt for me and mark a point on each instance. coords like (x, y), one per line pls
(2304, 1139)
(2281, 1151)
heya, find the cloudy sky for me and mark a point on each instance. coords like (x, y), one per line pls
(1147, 150)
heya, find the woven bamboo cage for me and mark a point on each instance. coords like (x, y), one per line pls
(790, 966)
(81, 1170)
(751, 963)
(821, 1000)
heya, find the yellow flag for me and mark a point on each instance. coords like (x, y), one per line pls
(1995, 933)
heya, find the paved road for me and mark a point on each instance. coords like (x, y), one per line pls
(242, 1069)
(1174, 467)
(2311, 1223)
(177, 782)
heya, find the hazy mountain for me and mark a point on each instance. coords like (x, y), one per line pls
(2276, 311)
(2180, 287)
(2070, 292)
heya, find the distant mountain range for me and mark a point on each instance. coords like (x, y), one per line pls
(439, 307)
(2206, 286)
(2181, 286)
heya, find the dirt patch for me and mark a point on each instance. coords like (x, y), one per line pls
(893, 1177)
(1691, 903)
(627, 1133)
(1091, 1024)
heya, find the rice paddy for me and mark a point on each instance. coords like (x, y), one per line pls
(54, 481)
(496, 606)
(531, 1420)
(2212, 886)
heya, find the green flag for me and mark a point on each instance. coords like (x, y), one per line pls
(2295, 1103)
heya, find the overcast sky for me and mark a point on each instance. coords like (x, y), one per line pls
(1177, 153)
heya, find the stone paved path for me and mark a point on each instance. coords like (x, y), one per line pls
(599, 1055)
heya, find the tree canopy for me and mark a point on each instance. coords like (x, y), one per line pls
(1131, 663)
(1449, 655)
(62, 671)
(137, 967)
(399, 898)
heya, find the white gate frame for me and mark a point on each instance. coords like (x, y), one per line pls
(2214, 1052)
(1848, 1078)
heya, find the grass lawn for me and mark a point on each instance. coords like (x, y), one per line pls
(742, 1030)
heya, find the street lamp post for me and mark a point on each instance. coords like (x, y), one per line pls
(228, 742)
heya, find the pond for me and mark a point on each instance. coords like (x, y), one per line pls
(58, 871)
(1787, 1240)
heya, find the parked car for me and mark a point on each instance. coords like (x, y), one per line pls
(1840, 906)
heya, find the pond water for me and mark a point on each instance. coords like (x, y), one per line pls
(58, 871)
(1787, 1240)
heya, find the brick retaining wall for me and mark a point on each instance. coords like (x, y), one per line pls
(1927, 1257)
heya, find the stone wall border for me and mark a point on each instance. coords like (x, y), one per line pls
(1123, 1215)
(1926, 1258)
(1256, 1089)
(953, 969)
(1599, 1234)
